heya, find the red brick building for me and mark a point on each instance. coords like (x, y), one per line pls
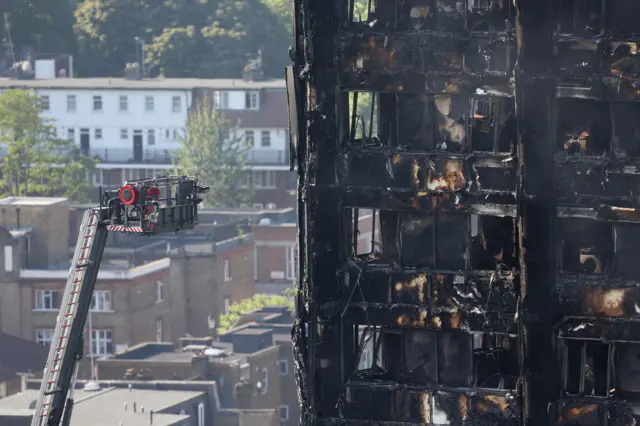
(275, 258)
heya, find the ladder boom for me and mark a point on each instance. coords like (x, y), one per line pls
(68, 338)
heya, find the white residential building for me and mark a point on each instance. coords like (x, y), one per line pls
(133, 126)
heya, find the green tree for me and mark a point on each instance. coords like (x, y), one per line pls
(212, 148)
(185, 38)
(283, 10)
(36, 162)
(45, 25)
(258, 301)
(106, 30)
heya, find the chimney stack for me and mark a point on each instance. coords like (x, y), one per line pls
(134, 407)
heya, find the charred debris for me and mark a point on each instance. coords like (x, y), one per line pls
(496, 144)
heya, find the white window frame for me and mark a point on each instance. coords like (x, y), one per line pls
(227, 270)
(269, 179)
(101, 301)
(100, 341)
(283, 367)
(221, 99)
(265, 136)
(201, 414)
(149, 104)
(45, 102)
(97, 134)
(290, 262)
(44, 336)
(151, 137)
(159, 291)
(44, 298)
(249, 138)
(284, 418)
(123, 103)
(159, 330)
(253, 100)
(227, 305)
(71, 134)
(72, 104)
(124, 134)
(176, 104)
(8, 258)
(97, 103)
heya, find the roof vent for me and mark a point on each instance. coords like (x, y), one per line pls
(92, 386)
(264, 221)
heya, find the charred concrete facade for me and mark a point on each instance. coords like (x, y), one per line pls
(497, 141)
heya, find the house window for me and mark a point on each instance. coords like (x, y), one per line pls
(266, 138)
(124, 134)
(71, 134)
(176, 104)
(176, 135)
(44, 336)
(227, 305)
(265, 381)
(284, 367)
(101, 301)
(151, 137)
(284, 413)
(227, 270)
(101, 342)
(290, 266)
(47, 300)
(97, 103)
(251, 100)
(249, 138)
(159, 330)
(71, 103)
(124, 103)
(44, 102)
(264, 179)
(8, 258)
(97, 134)
(159, 291)
(201, 418)
(149, 103)
(221, 100)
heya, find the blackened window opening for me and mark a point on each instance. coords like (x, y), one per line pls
(587, 246)
(583, 127)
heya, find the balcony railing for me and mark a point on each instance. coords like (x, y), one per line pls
(165, 156)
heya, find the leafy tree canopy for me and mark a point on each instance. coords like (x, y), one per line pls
(45, 25)
(194, 38)
(36, 162)
(245, 306)
(212, 148)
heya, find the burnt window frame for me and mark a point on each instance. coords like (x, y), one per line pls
(566, 362)
(398, 369)
(603, 18)
(352, 216)
(557, 111)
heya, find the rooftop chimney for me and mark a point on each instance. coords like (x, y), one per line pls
(134, 406)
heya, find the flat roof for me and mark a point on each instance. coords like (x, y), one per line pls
(146, 84)
(107, 406)
(31, 201)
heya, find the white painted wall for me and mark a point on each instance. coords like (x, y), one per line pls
(111, 120)
(117, 127)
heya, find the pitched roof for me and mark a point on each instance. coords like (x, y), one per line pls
(273, 112)
(20, 356)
